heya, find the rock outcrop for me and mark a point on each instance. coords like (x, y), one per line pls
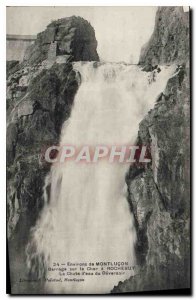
(170, 39)
(72, 36)
(159, 193)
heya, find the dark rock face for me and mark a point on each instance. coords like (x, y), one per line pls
(11, 67)
(159, 193)
(35, 118)
(34, 122)
(170, 39)
(74, 36)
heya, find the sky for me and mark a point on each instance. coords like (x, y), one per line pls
(120, 31)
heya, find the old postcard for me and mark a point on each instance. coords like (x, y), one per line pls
(98, 149)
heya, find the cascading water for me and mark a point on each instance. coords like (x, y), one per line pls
(87, 217)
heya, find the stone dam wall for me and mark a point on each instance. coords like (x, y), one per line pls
(16, 46)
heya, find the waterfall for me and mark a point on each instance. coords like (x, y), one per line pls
(87, 217)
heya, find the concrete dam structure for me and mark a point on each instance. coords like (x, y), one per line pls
(16, 45)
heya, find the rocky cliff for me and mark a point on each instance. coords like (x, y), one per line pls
(159, 194)
(170, 39)
(40, 94)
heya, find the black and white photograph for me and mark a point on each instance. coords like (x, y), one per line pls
(98, 150)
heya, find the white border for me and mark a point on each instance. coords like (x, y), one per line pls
(3, 4)
(96, 3)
